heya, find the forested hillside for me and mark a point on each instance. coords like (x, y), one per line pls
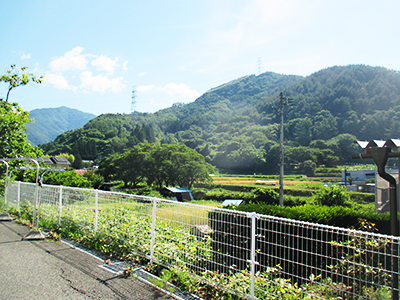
(48, 123)
(236, 126)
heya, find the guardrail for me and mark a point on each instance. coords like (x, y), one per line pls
(247, 254)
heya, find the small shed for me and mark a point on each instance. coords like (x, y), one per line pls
(180, 194)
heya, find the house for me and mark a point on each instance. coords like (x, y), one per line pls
(55, 161)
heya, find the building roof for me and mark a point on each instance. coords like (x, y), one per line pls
(232, 202)
(46, 160)
(390, 143)
(60, 160)
(178, 190)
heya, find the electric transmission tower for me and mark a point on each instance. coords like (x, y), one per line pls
(133, 100)
(259, 66)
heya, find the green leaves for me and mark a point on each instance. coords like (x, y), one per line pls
(166, 164)
(332, 196)
(13, 141)
(17, 76)
(13, 120)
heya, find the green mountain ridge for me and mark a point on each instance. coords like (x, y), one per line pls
(48, 123)
(235, 126)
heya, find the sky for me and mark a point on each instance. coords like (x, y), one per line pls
(93, 54)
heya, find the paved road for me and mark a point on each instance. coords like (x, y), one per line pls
(50, 270)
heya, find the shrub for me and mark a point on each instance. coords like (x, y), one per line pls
(265, 195)
(362, 197)
(331, 196)
(329, 215)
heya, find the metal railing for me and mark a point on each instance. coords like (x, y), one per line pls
(251, 255)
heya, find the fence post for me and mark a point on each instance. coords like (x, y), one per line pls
(153, 230)
(96, 211)
(252, 260)
(60, 204)
(18, 194)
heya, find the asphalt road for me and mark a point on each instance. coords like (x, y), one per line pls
(54, 270)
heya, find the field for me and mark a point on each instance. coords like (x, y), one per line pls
(262, 181)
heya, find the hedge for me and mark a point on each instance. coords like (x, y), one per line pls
(329, 215)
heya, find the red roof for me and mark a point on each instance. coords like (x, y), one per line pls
(80, 172)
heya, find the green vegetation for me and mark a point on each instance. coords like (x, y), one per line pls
(332, 196)
(65, 178)
(51, 122)
(13, 120)
(16, 77)
(236, 128)
(172, 165)
(13, 142)
(123, 232)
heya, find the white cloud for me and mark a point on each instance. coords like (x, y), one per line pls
(25, 56)
(104, 63)
(180, 90)
(58, 81)
(145, 88)
(101, 83)
(72, 60)
(124, 65)
(142, 74)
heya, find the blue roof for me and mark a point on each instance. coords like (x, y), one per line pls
(232, 202)
(178, 190)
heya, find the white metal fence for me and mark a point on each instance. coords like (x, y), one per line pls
(248, 254)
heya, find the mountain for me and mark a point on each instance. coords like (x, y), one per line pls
(110, 133)
(48, 123)
(236, 125)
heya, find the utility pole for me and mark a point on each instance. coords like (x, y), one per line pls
(282, 102)
(282, 151)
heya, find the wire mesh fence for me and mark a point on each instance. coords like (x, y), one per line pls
(251, 255)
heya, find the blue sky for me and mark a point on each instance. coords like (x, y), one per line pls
(92, 53)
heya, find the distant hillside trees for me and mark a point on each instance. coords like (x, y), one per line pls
(236, 126)
(50, 122)
(159, 165)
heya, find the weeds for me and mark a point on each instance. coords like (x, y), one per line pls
(124, 232)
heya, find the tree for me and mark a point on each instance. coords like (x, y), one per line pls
(13, 120)
(16, 77)
(132, 165)
(187, 166)
(174, 164)
(108, 167)
(13, 139)
(302, 131)
(325, 126)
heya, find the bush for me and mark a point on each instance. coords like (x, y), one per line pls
(265, 195)
(362, 197)
(328, 215)
(332, 195)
